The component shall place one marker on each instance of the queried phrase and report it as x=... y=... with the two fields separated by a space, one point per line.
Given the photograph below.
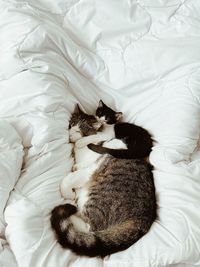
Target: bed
x=141 y=57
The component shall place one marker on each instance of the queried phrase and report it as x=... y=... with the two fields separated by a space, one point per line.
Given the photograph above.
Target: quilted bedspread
x=141 y=57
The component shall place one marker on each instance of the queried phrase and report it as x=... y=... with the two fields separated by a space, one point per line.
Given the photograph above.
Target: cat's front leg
x=107 y=134
x=84 y=141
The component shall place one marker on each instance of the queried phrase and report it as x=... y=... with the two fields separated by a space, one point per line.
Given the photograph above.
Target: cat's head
x=82 y=124
x=107 y=114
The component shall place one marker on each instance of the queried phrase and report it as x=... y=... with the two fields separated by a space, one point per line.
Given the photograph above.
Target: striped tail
x=100 y=243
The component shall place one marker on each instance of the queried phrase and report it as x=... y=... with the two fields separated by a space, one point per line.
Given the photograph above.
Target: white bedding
x=141 y=57
x=10 y=165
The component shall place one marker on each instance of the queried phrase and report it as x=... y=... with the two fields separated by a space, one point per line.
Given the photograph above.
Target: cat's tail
x=120 y=153
x=100 y=243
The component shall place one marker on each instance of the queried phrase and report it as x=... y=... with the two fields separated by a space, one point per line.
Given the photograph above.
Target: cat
x=114 y=201
x=138 y=141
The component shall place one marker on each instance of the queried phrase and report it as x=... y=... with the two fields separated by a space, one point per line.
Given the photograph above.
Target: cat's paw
x=67 y=189
x=80 y=143
x=68 y=193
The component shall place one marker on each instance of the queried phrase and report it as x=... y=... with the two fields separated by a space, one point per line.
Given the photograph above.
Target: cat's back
x=134 y=132
x=126 y=178
x=124 y=190
x=121 y=170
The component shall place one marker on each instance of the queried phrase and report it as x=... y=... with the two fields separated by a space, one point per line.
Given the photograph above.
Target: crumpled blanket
x=141 y=57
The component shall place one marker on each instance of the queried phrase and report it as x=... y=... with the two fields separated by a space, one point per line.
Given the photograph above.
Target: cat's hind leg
x=72 y=181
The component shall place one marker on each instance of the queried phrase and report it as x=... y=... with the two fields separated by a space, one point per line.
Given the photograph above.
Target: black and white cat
x=114 y=199
x=137 y=140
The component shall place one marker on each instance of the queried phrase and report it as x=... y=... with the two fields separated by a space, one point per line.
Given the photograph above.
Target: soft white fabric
x=11 y=155
x=141 y=57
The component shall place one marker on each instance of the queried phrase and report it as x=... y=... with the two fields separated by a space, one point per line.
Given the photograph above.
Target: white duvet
x=141 y=57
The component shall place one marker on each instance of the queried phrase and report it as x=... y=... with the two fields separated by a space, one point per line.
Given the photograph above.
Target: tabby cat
x=114 y=201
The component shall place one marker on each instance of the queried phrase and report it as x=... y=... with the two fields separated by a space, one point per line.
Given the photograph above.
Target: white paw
x=67 y=189
x=68 y=194
x=80 y=143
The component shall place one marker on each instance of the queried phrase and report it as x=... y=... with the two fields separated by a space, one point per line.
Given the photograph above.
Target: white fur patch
x=79 y=224
x=74 y=134
x=82 y=195
x=103 y=118
x=66 y=188
x=115 y=144
x=64 y=225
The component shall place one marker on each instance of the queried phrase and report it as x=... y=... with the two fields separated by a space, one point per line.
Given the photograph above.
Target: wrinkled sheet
x=11 y=157
x=141 y=57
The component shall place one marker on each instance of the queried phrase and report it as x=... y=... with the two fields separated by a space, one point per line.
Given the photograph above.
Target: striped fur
x=120 y=208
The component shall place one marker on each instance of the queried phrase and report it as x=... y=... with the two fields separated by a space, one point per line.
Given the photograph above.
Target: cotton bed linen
x=141 y=57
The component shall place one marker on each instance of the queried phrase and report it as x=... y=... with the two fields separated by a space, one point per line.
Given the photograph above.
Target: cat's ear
x=77 y=109
x=101 y=104
x=118 y=116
